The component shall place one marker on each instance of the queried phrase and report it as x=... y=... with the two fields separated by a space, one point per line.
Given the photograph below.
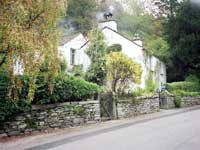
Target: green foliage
x=182 y=32
x=138 y=92
x=135 y=25
x=97 y=48
x=95 y=73
x=82 y=13
x=190 y=87
x=150 y=85
x=182 y=93
x=167 y=7
x=177 y=102
x=63 y=65
x=141 y=24
x=79 y=110
x=158 y=47
x=28 y=33
x=64 y=89
x=121 y=70
x=185 y=86
x=96 y=52
x=114 y=48
x=77 y=71
x=192 y=78
x=4 y=83
x=9 y=108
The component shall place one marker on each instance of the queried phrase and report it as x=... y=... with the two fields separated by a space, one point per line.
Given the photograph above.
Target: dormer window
x=72 y=56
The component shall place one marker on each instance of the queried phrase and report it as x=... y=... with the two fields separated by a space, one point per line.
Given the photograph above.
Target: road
x=177 y=132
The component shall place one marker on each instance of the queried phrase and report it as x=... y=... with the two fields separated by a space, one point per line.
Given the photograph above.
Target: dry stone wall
x=167 y=101
x=190 y=101
x=43 y=117
x=138 y=106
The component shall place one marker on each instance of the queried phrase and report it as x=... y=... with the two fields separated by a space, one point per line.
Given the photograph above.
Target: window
x=72 y=56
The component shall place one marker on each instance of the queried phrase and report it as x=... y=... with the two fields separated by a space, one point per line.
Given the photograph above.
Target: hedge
x=9 y=108
x=64 y=89
x=185 y=86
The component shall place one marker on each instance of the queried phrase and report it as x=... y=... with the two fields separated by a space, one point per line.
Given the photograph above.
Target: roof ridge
x=122 y=35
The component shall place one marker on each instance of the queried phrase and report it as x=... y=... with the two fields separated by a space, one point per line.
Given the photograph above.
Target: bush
x=114 y=48
x=192 y=78
x=177 y=102
x=77 y=71
x=150 y=85
x=64 y=89
x=182 y=93
x=4 y=84
x=138 y=92
x=9 y=108
x=185 y=86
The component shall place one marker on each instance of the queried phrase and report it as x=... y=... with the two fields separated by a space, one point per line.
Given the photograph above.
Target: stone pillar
x=114 y=108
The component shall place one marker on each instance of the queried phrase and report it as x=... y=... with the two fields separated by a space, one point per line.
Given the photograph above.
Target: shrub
x=150 y=85
x=4 y=84
x=149 y=88
x=9 y=108
x=77 y=71
x=192 y=78
x=121 y=70
x=177 y=102
x=138 y=92
x=114 y=48
x=182 y=93
x=185 y=86
x=64 y=89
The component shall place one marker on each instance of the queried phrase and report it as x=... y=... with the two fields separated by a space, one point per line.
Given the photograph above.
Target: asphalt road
x=178 y=132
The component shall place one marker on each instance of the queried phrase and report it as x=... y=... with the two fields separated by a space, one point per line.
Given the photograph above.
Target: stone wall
x=190 y=101
x=167 y=101
x=42 y=117
x=141 y=105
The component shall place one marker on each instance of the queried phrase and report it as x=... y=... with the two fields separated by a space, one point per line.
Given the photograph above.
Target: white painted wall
x=136 y=52
x=132 y=49
x=129 y=48
x=111 y=24
x=81 y=57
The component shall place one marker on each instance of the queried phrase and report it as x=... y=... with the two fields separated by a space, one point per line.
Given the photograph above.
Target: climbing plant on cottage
x=97 y=52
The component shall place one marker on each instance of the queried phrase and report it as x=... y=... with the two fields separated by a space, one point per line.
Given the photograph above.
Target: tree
x=28 y=34
x=182 y=33
x=167 y=7
x=121 y=70
x=135 y=25
x=144 y=25
x=97 y=52
x=157 y=46
x=82 y=13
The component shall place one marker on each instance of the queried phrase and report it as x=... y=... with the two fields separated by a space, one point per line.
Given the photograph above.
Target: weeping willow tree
x=28 y=35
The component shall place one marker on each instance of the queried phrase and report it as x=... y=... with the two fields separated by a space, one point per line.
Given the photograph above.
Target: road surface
x=177 y=132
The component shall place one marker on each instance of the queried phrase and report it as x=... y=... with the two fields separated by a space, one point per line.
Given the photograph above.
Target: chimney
x=108 y=22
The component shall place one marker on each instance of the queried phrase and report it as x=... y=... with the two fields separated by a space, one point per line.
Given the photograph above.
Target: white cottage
x=74 y=51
